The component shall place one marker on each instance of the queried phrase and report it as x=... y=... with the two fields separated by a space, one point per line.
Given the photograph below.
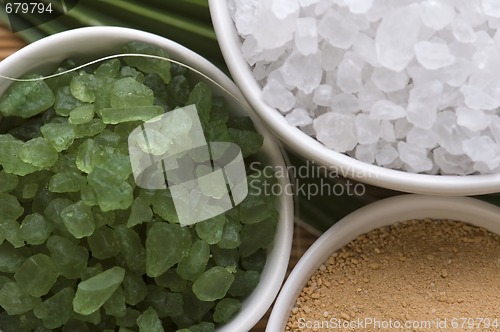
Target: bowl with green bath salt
x=133 y=190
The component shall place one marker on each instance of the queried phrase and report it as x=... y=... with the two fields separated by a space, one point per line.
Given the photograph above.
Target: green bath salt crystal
x=26 y=99
x=88 y=155
x=213 y=284
x=115 y=305
x=166 y=245
x=144 y=64
x=127 y=92
x=148 y=321
x=7 y=181
x=15 y=301
x=10 y=230
x=81 y=114
x=35 y=229
x=37 y=275
x=92 y=293
x=10 y=258
x=116 y=115
x=140 y=212
x=134 y=288
x=78 y=219
x=10 y=148
x=70 y=259
x=57 y=309
x=60 y=135
x=39 y=152
x=85 y=87
x=225 y=309
x=66 y=182
x=65 y=101
x=10 y=207
x=131 y=248
x=193 y=265
x=103 y=243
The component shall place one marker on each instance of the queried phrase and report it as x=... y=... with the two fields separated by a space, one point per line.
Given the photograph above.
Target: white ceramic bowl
x=91 y=43
x=381 y=213
x=310 y=148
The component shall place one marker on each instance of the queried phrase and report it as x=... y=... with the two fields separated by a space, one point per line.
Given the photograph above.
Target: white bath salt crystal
x=495 y=128
x=335 y=29
x=474 y=120
x=401 y=128
x=350 y=73
x=433 y=55
x=304 y=100
x=388 y=80
x=299 y=117
x=336 y=131
x=250 y=51
x=483 y=149
x=303 y=72
x=457 y=74
x=344 y=103
x=463 y=32
x=491 y=7
x=368 y=96
x=414 y=157
x=365 y=153
x=307 y=3
x=396 y=37
x=483 y=168
x=270 y=31
x=322 y=95
x=450 y=135
x=330 y=56
x=368 y=130
x=259 y=71
x=378 y=10
x=364 y=46
x=246 y=15
x=277 y=96
x=273 y=54
x=399 y=97
x=385 y=154
x=452 y=164
x=387 y=110
x=422 y=138
x=436 y=14
x=471 y=11
x=450 y=98
x=387 y=131
x=306 y=35
x=421 y=76
x=283 y=8
x=476 y=98
x=494 y=23
x=322 y=6
x=422 y=104
x=359 y=6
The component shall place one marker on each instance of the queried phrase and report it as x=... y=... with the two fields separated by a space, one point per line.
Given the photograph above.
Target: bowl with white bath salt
x=408 y=263
x=403 y=95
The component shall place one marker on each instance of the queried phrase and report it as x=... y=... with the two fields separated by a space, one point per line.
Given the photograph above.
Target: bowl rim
x=312 y=149
x=71 y=41
x=381 y=213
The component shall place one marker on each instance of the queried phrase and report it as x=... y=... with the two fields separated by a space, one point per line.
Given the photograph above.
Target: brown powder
x=412 y=276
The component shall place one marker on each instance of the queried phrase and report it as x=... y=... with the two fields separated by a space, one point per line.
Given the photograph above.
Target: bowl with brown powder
x=406 y=263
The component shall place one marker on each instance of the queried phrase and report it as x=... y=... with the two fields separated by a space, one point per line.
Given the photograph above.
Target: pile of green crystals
x=82 y=248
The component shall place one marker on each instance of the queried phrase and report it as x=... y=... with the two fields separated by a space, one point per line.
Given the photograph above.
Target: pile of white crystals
x=404 y=84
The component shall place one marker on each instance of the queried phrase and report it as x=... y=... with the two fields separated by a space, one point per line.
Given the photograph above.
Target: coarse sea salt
x=410 y=85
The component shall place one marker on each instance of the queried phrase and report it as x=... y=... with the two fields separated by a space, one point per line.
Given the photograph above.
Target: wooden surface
x=9 y=43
